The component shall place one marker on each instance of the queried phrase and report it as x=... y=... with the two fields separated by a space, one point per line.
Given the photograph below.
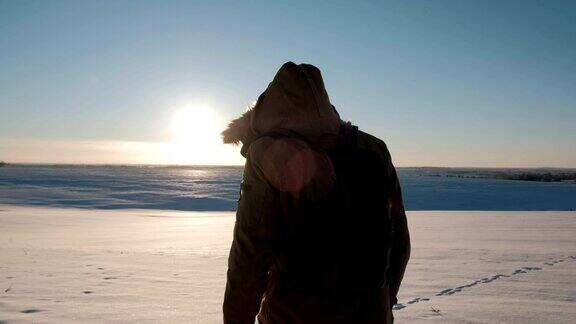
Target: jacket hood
x=296 y=101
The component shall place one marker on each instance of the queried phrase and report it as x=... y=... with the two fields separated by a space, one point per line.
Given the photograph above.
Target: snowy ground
x=72 y=265
x=197 y=188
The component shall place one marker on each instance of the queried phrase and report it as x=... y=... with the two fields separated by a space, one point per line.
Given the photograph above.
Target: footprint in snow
x=30 y=311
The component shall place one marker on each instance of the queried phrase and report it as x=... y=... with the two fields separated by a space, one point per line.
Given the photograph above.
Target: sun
x=194 y=125
x=195 y=136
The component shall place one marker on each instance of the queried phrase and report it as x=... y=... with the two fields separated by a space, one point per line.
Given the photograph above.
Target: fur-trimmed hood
x=296 y=100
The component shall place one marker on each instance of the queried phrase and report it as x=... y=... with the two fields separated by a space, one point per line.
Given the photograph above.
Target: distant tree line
x=517 y=175
x=543 y=177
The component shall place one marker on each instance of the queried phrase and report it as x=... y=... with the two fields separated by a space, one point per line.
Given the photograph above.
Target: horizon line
x=241 y=165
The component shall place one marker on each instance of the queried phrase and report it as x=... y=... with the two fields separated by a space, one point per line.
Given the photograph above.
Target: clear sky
x=444 y=83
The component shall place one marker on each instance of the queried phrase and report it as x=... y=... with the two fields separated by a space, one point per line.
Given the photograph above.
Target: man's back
x=321 y=231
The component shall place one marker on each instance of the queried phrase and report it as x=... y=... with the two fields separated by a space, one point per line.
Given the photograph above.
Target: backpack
x=340 y=244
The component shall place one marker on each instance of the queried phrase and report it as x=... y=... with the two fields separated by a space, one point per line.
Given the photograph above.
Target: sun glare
x=195 y=133
x=192 y=125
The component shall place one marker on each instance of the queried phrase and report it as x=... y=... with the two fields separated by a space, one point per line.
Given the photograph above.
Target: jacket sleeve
x=400 y=252
x=252 y=248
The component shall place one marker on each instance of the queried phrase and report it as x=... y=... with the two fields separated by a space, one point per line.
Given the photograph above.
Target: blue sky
x=444 y=83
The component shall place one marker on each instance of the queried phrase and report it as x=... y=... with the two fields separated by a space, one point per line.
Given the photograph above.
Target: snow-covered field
x=197 y=188
x=73 y=265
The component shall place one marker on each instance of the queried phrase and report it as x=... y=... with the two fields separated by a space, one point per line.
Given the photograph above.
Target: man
x=321 y=234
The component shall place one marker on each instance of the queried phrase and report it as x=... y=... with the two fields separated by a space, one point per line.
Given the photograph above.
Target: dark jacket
x=287 y=137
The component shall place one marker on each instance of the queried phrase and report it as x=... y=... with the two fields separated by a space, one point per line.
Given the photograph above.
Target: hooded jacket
x=285 y=137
